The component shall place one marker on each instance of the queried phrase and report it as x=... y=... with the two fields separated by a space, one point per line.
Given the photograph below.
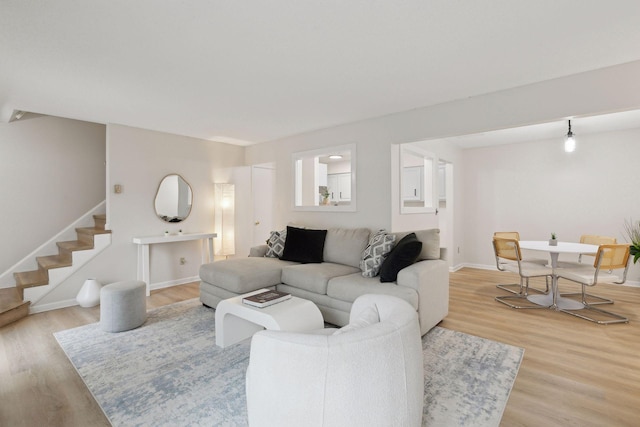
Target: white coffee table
x=236 y=321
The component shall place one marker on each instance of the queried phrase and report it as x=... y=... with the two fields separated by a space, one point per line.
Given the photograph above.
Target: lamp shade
x=224 y=219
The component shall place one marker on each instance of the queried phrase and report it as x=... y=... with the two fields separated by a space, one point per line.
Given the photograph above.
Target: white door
x=263 y=182
x=344 y=187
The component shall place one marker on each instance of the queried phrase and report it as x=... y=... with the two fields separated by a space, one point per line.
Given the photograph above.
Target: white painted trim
x=72 y=302
x=52 y=306
x=170 y=283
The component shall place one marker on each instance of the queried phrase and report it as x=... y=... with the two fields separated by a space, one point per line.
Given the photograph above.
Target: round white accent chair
x=369 y=373
x=123 y=306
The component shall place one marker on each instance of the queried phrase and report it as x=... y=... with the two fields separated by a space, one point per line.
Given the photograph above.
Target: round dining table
x=553 y=300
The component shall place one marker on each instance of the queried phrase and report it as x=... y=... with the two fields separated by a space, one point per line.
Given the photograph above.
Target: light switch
x=117 y=188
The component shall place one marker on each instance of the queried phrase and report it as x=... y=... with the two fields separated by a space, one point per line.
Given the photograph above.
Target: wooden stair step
x=73 y=245
x=54 y=261
x=100 y=220
x=12 y=307
x=27 y=279
x=85 y=234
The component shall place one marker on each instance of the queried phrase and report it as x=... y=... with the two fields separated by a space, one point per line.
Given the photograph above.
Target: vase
x=553 y=242
x=89 y=295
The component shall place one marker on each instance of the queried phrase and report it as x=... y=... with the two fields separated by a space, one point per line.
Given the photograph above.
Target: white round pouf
x=123 y=306
x=89 y=295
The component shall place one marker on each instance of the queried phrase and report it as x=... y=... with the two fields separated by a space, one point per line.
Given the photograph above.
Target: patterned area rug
x=169 y=372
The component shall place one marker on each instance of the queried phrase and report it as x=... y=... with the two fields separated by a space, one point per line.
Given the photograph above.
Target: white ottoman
x=123 y=306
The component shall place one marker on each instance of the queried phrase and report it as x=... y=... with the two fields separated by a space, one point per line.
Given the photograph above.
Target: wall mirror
x=325 y=179
x=418 y=178
x=173 y=199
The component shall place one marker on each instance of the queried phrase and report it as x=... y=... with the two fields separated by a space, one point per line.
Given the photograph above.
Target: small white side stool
x=123 y=306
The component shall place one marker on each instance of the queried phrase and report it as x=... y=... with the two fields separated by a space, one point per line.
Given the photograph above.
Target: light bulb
x=570 y=144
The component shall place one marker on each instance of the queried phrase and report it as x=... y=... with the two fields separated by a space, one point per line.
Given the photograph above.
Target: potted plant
x=633 y=232
x=553 y=241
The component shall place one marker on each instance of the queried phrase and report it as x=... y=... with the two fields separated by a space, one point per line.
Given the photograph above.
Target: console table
x=143 y=250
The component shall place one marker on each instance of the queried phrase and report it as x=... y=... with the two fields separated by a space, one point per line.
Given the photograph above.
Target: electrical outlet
x=183 y=261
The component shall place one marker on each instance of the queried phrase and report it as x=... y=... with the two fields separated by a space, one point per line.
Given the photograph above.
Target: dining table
x=552 y=299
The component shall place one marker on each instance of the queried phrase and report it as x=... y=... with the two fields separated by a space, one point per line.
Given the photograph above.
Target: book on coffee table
x=266 y=298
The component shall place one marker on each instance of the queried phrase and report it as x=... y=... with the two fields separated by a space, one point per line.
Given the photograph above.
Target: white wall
x=52 y=171
x=596 y=92
x=138 y=159
x=536 y=188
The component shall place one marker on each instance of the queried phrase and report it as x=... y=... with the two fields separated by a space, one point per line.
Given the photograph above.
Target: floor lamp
x=224 y=219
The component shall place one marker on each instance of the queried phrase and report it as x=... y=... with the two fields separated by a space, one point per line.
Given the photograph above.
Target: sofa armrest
x=258 y=251
x=430 y=279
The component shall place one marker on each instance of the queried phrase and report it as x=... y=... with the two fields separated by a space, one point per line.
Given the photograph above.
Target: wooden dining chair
x=590 y=239
x=609 y=258
x=514 y=288
x=508 y=250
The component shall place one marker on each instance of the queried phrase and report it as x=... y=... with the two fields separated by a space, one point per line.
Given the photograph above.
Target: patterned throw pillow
x=374 y=254
x=276 y=244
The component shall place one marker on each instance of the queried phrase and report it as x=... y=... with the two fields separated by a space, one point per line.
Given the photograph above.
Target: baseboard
x=629 y=283
x=71 y=302
x=52 y=306
x=170 y=283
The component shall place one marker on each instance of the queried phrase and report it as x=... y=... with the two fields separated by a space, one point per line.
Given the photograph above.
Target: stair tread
x=10 y=299
x=54 y=261
x=27 y=279
x=92 y=230
x=74 y=245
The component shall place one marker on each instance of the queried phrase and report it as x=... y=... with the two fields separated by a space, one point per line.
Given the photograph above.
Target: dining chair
x=590 y=239
x=608 y=259
x=508 y=250
x=514 y=288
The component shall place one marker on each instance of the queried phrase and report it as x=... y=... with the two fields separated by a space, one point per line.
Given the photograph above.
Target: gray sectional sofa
x=335 y=283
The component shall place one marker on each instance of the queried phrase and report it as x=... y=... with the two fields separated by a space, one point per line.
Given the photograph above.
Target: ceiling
x=553 y=130
x=253 y=71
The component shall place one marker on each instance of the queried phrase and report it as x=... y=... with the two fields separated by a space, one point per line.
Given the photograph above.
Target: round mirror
x=173 y=199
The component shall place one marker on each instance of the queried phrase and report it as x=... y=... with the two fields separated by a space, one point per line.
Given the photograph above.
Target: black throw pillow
x=404 y=254
x=304 y=245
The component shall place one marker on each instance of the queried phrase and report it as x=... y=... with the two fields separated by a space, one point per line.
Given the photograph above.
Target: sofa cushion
x=405 y=253
x=304 y=245
x=376 y=251
x=430 y=242
x=345 y=245
x=314 y=277
x=243 y=275
x=348 y=288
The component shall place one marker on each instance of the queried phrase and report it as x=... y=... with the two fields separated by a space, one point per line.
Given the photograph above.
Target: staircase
x=38 y=282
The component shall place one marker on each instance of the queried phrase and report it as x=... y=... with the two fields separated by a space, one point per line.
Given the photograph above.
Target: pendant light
x=570 y=141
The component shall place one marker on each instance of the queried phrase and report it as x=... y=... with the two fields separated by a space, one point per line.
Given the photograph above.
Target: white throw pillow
x=376 y=251
x=367 y=317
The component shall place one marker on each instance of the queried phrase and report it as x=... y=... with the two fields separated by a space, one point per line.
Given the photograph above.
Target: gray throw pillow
x=276 y=244
x=376 y=251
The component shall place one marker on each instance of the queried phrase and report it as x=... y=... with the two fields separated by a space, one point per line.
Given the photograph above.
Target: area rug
x=169 y=372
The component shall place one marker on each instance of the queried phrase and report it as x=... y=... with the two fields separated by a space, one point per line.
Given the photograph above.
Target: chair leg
x=519 y=288
x=524 y=286
x=616 y=318
x=598 y=300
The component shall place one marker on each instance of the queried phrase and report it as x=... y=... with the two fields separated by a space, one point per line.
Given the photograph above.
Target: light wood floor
x=574 y=373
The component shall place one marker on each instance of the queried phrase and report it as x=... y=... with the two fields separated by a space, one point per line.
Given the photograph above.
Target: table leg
x=143 y=266
x=231 y=329
x=554 y=301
